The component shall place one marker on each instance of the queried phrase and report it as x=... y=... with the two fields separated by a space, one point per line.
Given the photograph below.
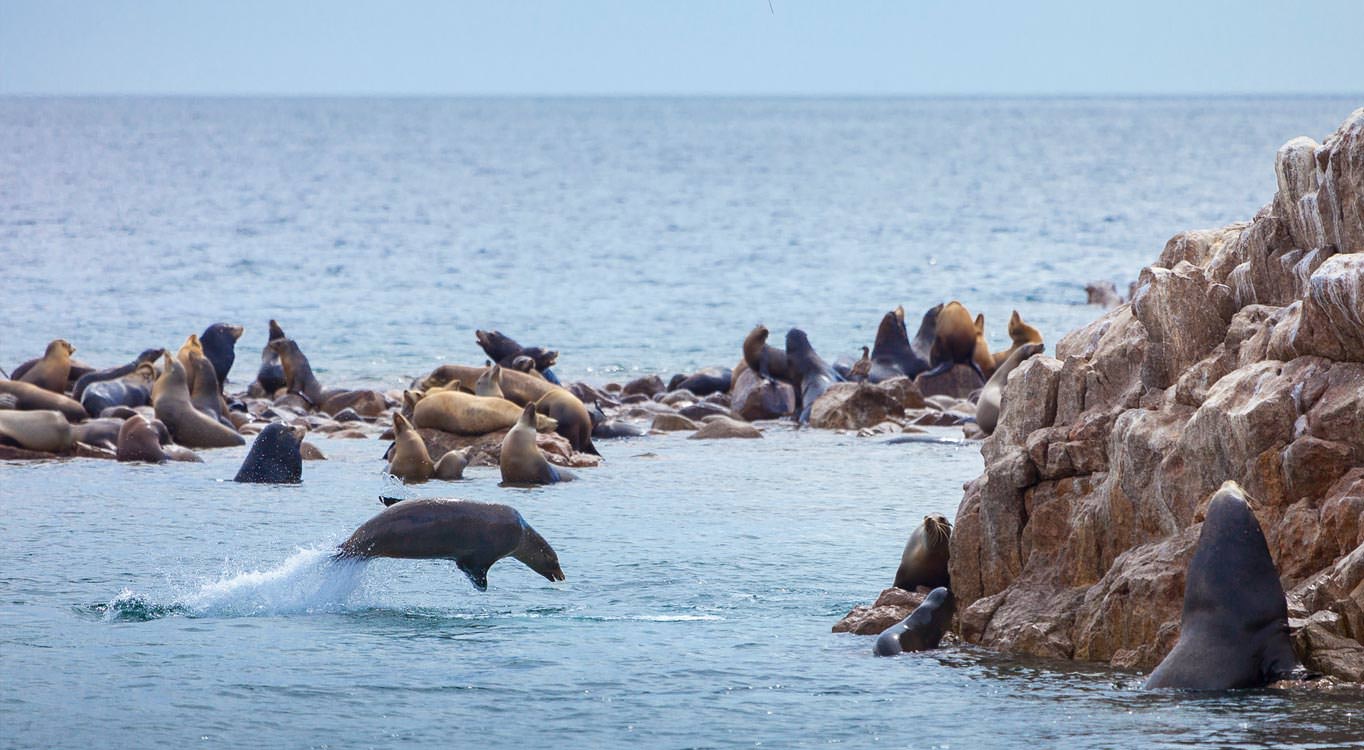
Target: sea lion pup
x=410 y=461
x=132 y=389
x=1233 y=632
x=220 y=347
x=189 y=426
x=298 y=374
x=954 y=341
x=811 y=375
x=503 y=350
x=274 y=457
x=521 y=461
x=574 y=423
x=474 y=535
x=29 y=397
x=462 y=413
x=924 y=627
x=987 y=406
x=1020 y=333
x=138 y=441
x=891 y=354
x=270 y=376
x=985 y=361
x=51 y=372
x=765 y=360
x=928 y=328
x=924 y=561
x=149 y=356
x=42 y=430
x=489 y=384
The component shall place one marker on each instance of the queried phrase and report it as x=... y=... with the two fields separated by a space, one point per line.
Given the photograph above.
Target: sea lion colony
x=513 y=412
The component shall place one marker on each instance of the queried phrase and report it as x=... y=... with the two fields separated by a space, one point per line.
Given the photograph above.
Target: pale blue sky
x=694 y=47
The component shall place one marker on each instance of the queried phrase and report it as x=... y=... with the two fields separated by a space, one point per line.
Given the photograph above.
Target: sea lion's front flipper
x=478 y=574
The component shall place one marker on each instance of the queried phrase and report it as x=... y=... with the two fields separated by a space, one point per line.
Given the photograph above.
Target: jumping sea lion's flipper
x=478 y=575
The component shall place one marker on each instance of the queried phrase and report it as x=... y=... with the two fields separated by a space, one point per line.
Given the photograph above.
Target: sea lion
x=270 y=376
x=954 y=341
x=924 y=627
x=474 y=535
x=924 y=561
x=410 y=461
x=928 y=328
x=38 y=430
x=188 y=425
x=274 y=457
x=984 y=360
x=765 y=360
x=811 y=375
x=891 y=354
x=131 y=390
x=298 y=374
x=574 y=423
x=504 y=350
x=1020 y=333
x=29 y=397
x=987 y=406
x=220 y=347
x=204 y=391
x=706 y=381
x=149 y=356
x=1233 y=632
x=466 y=414
x=138 y=441
x=52 y=371
x=521 y=461
x=489 y=384
x=99 y=433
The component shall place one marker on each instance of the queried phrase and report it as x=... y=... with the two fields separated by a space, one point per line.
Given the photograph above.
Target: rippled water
x=163 y=606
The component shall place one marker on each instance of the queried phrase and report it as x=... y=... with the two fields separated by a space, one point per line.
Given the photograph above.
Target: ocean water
x=165 y=606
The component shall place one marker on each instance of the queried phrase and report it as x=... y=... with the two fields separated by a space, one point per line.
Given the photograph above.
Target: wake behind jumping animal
x=473 y=535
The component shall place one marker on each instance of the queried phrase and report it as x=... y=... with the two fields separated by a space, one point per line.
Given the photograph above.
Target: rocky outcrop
x=855 y=406
x=1240 y=356
x=486 y=449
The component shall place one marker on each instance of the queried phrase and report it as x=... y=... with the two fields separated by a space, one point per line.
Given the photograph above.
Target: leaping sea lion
x=923 y=629
x=189 y=426
x=924 y=560
x=474 y=535
x=274 y=457
x=521 y=461
x=411 y=462
x=1233 y=632
x=53 y=370
x=987 y=406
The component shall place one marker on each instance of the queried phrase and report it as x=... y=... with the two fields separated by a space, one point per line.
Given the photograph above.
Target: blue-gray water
x=163 y=606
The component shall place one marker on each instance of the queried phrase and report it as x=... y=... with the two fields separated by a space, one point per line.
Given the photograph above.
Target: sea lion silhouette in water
x=987 y=406
x=474 y=535
x=924 y=560
x=811 y=376
x=270 y=376
x=503 y=350
x=924 y=627
x=954 y=341
x=521 y=461
x=274 y=457
x=891 y=353
x=1233 y=632
x=220 y=347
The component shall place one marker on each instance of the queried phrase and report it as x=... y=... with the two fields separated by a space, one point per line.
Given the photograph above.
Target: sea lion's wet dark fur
x=810 y=374
x=270 y=376
x=924 y=627
x=503 y=350
x=114 y=373
x=219 y=342
x=924 y=559
x=274 y=457
x=891 y=354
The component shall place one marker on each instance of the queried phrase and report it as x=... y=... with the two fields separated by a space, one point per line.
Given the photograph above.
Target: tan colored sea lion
x=574 y=423
x=411 y=462
x=204 y=392
x=42 y=430
x=53 y=370
x=924 y=561
x=138 y=441
x=521 y=461
x=1020 y=333
x=29 y=397
x=490 y=383
x=985 y=361
x=189 y=426
x=954 y=341
x=191 y=346
x=987 y=406
x=467 y=414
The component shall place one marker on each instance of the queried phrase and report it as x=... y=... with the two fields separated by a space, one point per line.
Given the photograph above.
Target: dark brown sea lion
x=149 y=356
x=1233 y=632
x=39 y=430
x=765 y=360
x=521 y=461
x=53 y=370
x=1020 y=333
x=298 y=373
x=504 y=350
x=810 y=374
x=220 y=346
x=705 y=381
x=130 y=390
x=189 y=426
x=474 y=535
x=270 y=376
x=891 y=354
x=923 y=338
x=924 y=561
x=923 y=629
x=137 y=441
x=29 y=397
x=573 y=421
x=987 y=405
x=274 y=457
x=954 y=341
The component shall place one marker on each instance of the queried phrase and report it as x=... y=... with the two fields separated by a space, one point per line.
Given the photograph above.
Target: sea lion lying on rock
x=149 y=356
x=574 y=423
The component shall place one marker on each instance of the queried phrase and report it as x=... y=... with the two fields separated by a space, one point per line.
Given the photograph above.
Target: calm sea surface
x=162 y=606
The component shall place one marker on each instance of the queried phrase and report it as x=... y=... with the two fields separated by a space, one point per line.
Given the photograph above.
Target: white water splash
x=309 y=581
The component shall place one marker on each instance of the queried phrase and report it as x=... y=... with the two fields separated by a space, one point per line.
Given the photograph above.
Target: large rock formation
x=1241 y=356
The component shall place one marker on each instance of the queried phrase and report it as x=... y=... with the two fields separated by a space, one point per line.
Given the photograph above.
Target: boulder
x=723 y=427
x=487 y=448
x=854 y=406
x=959 y=382
x=753 y=398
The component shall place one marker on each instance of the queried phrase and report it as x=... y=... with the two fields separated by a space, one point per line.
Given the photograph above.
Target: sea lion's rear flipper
x=478 y=574
x=941 y=368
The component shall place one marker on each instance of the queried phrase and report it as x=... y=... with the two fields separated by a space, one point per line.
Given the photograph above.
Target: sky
x=696 y=47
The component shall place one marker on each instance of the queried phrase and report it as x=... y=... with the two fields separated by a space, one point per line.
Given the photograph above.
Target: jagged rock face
x=1241 y=356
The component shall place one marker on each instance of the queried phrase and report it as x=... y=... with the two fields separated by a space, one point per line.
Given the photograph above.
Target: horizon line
x=681 y=95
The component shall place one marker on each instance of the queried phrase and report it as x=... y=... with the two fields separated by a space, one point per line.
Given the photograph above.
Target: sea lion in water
x=928 y=328
x=137 y=441
x=981 y=356
x=274 y=457
x=29 y=397
x=474 y=535
x=765 y=360
x=41 y=430
x=924 y=627
x=270 y=376
x=574 y=423
x=298 y=374
x=1233 y=632
x=53 y=370
x=149 y=356
x=220 y=347
x=987 y=406
x=924 y=561
x=131 y=390
x=954 y=341
x=521 y=461
x=891 y=354
x=489 y=384
x=811 y=375
x=466 y=414
x=1020 y=333
x=188 y=425
x=410 y=461
x=504 y=350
